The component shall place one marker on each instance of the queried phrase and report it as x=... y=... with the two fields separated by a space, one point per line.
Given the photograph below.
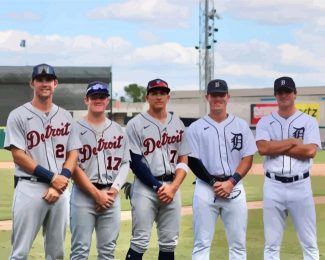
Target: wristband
x=43 y=173
x=66 y=172
x=182 y=166
x=235 y=178
x=213 y=181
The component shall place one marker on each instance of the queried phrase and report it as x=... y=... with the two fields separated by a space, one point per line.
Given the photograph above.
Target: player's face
x=285 y=98
x=218 y=102
x=97 y=103
x=157 y=99
x=44 y=87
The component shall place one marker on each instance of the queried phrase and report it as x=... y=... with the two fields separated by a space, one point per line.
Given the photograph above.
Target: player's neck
x=159 y=114
x=42 y=105
x=218 y=117
x=286 y=112
x=95 y=118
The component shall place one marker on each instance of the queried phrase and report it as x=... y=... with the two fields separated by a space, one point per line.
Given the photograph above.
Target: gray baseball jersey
x=220 y=147
x=46 y=138
x=160 y=144
x=104 y=150
x=294 y=197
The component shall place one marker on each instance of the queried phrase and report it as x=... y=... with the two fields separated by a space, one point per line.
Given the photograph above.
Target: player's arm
x=167 y=192
x=23 y=160
x=200 y=171
x=223 y=189
x=302 y=151
x=275 y=148
x=141 y=169
x=121 y=176
x=31 y=167
x=60 y=181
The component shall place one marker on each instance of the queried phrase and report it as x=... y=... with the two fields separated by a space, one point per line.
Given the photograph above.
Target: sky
x=257 y=40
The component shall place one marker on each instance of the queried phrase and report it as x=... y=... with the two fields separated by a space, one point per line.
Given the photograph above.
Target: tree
x=135 y=92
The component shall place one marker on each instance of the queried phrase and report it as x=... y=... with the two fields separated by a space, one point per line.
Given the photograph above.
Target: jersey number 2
x=59 y=151
x=113 y=160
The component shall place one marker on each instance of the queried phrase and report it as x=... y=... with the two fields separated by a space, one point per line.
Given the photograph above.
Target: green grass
x=290 y=246
x=5 y=155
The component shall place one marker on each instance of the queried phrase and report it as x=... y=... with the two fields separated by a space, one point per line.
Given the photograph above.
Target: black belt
x=287 y=179
x=221 y=179
x=165 y=177
x=32 y=179
x=101 y=186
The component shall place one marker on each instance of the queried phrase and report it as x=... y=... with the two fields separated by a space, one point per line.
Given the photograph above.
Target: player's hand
x=112 y=192
x=60 y=183
x=166 y=193
x=51 y=195
x=223 y=189
x=105 y=199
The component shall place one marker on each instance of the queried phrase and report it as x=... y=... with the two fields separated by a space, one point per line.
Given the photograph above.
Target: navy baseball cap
x=158 y=84
x=43 y=70
x=217 y=86
x=97 y=87
x=284 y=83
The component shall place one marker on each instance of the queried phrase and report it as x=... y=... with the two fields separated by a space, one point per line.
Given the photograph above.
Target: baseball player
x=43 y=143
x=102 y=169
x=159 y=161
x=289 y=139
x=222 y=153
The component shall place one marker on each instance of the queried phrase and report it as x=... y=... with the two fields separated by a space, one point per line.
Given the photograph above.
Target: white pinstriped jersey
x=159 y=143
x=221 y=146
x=299 y=125
x=103 y=151
x=45 y=138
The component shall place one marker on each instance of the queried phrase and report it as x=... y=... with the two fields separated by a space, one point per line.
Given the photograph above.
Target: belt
x=165 y=177
x=101 y=186
x=287 y=179
x=221 y=179
x=32 y=179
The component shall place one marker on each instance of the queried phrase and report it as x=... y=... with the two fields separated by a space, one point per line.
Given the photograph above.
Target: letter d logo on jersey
x=237 y=142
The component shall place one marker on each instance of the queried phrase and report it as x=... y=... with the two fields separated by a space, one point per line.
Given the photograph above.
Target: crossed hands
x=223 y=189
x=58 y=186
x=166 y=193
x=105 y=199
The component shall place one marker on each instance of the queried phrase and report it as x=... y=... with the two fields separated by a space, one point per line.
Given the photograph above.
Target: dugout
x=15 y=90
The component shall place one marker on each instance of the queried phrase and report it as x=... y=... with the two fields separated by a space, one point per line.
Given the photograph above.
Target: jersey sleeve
x=126 y=152
x=261 y=130
x=184 y=148
x=14 y=133
x=193 y=141
x=249 y=141
x=312 y=133
x=134 y=140
x=73 y=141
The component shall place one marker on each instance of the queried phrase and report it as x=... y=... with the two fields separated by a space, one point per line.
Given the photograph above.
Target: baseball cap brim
x=164 y=89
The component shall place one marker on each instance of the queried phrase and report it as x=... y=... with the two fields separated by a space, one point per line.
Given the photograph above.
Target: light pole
x=208 y=15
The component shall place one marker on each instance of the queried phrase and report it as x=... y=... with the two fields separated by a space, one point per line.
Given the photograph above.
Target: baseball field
x=253 y=184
